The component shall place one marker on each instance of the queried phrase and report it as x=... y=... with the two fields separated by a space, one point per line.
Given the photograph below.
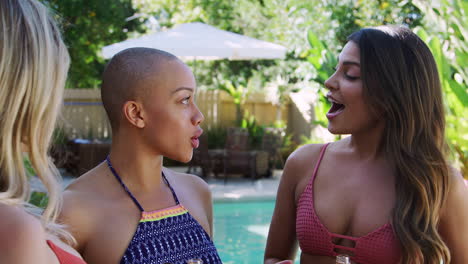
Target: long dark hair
x=401 y=84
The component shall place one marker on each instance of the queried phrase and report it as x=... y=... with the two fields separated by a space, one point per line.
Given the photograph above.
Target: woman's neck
x=368 y=144
x=139 y=169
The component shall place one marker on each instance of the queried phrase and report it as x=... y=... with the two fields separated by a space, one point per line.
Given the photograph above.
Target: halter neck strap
x=114 y=172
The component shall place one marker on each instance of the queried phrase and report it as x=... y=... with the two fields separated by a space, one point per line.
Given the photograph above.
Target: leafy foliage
x=28 y=166
x=446 y=34
x=279 y=21
x=39 y=199
x=88 y=26
x=321 y=57
x=216 y=137
x=255 y=131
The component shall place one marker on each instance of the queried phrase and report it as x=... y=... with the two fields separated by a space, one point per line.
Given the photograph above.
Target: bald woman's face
x=172 y=119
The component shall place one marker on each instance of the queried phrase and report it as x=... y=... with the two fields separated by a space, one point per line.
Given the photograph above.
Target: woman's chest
x=351 y=200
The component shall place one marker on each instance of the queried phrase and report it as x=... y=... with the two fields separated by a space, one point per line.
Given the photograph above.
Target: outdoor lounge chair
x=204 y=159
x=271 y=143
x=238 y=159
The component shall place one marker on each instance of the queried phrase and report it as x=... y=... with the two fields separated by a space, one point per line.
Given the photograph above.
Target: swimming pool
x=241 y=229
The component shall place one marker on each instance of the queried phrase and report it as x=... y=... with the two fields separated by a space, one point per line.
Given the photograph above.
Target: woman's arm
x=453 y=223
x=208 y=202
x=281 y=242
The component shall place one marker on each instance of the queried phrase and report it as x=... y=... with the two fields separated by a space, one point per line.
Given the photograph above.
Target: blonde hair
x=33 y=67
x=401 y=82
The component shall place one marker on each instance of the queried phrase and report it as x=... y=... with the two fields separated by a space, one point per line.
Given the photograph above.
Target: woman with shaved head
x=130 y=209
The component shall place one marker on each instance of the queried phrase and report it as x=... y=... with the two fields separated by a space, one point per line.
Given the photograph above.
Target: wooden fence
x=83 y=115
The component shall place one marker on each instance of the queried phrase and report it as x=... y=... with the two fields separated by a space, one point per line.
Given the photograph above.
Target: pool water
x=241 y=230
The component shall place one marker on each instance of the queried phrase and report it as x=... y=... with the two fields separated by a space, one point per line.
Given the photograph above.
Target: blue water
x=241 y=229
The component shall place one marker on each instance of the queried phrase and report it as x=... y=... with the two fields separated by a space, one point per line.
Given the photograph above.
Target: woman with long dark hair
x=386 y=193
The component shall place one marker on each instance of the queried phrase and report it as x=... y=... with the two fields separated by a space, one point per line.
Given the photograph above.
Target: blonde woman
x=386 y=194
x=33 y=66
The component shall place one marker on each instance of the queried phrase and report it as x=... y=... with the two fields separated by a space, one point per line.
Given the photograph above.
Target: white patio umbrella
x=198 y=41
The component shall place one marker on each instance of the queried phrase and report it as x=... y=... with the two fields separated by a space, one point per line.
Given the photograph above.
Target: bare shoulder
x=87 y=188
x=80 y=207
x=74 y=202
x=453 y=226
x=458 y=188
x=88 y=179
x=458 y=193
x=81 y=193
x=21 y=232
x=17 y=221
x=306 y=153
x=456 y=179
x=189 y=186
x=185 y=180
x=194 y=193
x=302 y=160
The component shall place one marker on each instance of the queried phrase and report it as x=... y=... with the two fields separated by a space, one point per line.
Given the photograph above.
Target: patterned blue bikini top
x=169 y=235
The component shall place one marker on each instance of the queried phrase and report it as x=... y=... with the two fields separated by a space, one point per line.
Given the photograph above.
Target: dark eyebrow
x=182 y=88
x=351 y=63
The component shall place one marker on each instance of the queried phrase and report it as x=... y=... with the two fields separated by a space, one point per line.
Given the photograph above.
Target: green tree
x=279 y=21
x=88 y=26
x=172 y=12
x=445 y=32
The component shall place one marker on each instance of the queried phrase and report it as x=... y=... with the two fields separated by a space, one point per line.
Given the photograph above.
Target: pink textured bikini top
x=378 y=247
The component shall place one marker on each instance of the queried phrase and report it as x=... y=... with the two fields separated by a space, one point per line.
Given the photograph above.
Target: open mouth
x=335 y=110
x=195 y=142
